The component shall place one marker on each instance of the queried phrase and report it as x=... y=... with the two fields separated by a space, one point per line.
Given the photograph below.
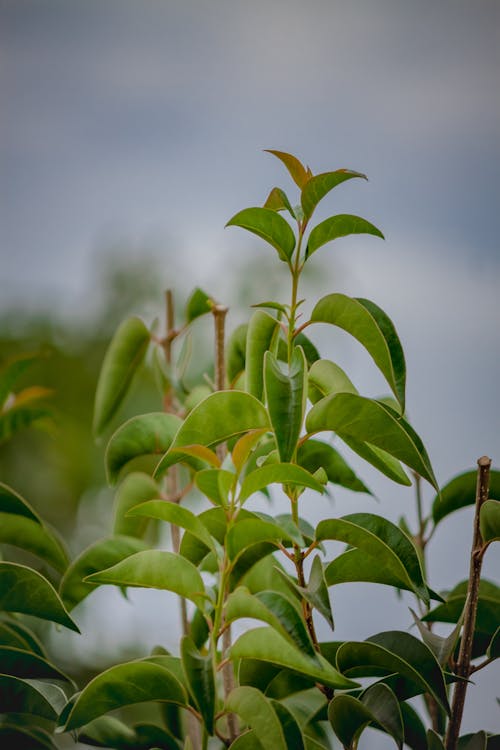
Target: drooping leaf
x=341 y=225
x=199 y=303
x=270 y=226
x=99 y=556
x=23 y=589
x=22 y=663
x=258 y=713
x=313 y=455
x=299 y=174
x=380 y=459
x=265 y=644
x=262 y=333
x=286 y=395
x=200 y=678
x=489 y=520
x=378 y=706
x=395 y=652
x=366 y=420
x=176 y=514
x=219 y=417
x=442 y=647
x=277 y=474
x=373 y=329
x=123 y=685
x=235 y=352
x=144 y=435
x=155 y=569
x=216 y=484
x=461 y=491
x=28 y=697
x=34 y=537
x=383 y=554
x=136 y=488
x=123 y=358
x=320 y=185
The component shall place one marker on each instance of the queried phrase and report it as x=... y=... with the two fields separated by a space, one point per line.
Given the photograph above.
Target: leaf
x=258 y=713
x=489 y=520
x=123 y=358
x=262 y=332
x=270 y=226
x=176 y=514
x=216 y=484
x=22 y=663
x=488 y=607
x=158 y=570
x=136 y=488
x=373 y=329
x=313 y=455
x=19 y=637
x=291 y=729
x=395 y=652
x=316 y=591
x=199 y=674
x=25 y=696
x=318 y=186
x=267 y=645
x=145 y=435
x=277 y=200
x=23 y=589
x=199 y=303
x=441 y=647
x=18 y=417
x=325 y=378
x=277 y=474
x=380 y=459
x=493 y=650
x=299 y=174
x=459 y=492
x=251 y=531
x=107 y=731
x=477 y=741
x=221 y=416
x=34 y=537
x=24 y=738
x=390 y=556
x=123 y=685
x=235 y=352
x=12 y=502
x=274 y=609
x=339 y=226
x=414 y=729
x=243 y=448
x=434 y=741
x=11 y=372
x=366 y=420
x=286 y=400
x=378 y=707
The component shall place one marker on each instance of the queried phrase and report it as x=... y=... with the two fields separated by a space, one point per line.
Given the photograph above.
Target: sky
x=144 y=123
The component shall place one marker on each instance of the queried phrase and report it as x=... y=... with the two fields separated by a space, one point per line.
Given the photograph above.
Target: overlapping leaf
x=136 y=488
x=30 y=697
x=286 y=395
x=176 y=514
x=378 y=706
x=200 y=679
x=313 y=455
x=262 y=332
x=258 y=713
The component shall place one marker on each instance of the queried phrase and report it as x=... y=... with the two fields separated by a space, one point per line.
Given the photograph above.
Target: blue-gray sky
x=143 y=122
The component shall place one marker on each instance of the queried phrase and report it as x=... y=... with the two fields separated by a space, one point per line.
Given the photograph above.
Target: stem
x=463 y=668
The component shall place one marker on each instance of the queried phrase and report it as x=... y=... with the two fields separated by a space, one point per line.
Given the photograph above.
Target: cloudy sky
x=143 y=123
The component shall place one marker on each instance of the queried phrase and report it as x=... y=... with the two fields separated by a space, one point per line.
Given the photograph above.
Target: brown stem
x=463 y=668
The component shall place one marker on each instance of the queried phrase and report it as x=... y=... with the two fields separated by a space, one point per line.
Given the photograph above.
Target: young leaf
x=341 y=225
x=370 y=421
x=23 y=589
x=34 y=537
x=299 y=174
x=277 y=473
x=100 y=555
x=262 y=332
x=286 y=400
x=136 y=488
x=243 y=448
x=313 y=455
x=318 y=186
x=257 y=711
x=124 y=356
x=461 y=491
x=270 y=226
x=373 y=329
x=199 y=303
x=489 y=520
x=145 y=435
x=123 y=685
x=198 y=671
x=383 y=554
x=378 y=707
x=219 y=417
x=155 y=569
x=277 y=200
x=176 y=514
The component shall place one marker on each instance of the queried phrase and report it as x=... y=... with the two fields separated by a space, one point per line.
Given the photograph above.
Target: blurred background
x=131 y=131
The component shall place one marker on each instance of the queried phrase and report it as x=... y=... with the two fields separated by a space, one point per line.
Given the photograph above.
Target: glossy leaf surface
x=250 y=532
x=277 y=474
x=277 y=200
x=326 y=377
x=270 y=226
x=341 y=225
x=34 y=537
x=28 y=697
x=320 y=185
x=489 y=520
x=176 y=514
x=461 y=491
x=380 y=459
x=22 y=663
x=12 y=502
x=378 y=706
x=299 y=174
x=286 y=395
x=262 y=331
x=257 y=711
x=124 y=356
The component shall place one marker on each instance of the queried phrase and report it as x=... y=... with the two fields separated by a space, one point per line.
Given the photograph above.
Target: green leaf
x=395 y=652
x=20 y=416
x=378 y=707
x=291 y=729
x=441 y=647
x=277 y=200
x=380 y=459
x=23 y=589
x=25 y=738
x=434 y=741
x=221 y=416
x=366 y=420
x=100 y=555
x=493 y=650
x=286 y=395
x=12 y=502
x=325 y=378
x=199 y=303
x=262 y=333
x=107 y=731
x=316 y=591
x=477 y=741
x=22 y=663
x=27 y=697
x=34 y=537
x=384 y=554
x=235 y=352
x=16 y=635
x=488 y=608
x=318 y=186
x=145 y=435
x=299 y=174
x=339 y=226
x=267 y=645
x=258 y=713
x=123 y=358
x=157 y=570
x=270 y=226
x=251 y=531
x=489 y=520
x=136 y=488
x=199 y=675
x=313 y=455
x=274 y=609
x=123 y=685
x=11 y=372
x=216 y=484
x=414 y=729
x=277 y=474
x=373 y=329
x=461 y=491
x=176 y=514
